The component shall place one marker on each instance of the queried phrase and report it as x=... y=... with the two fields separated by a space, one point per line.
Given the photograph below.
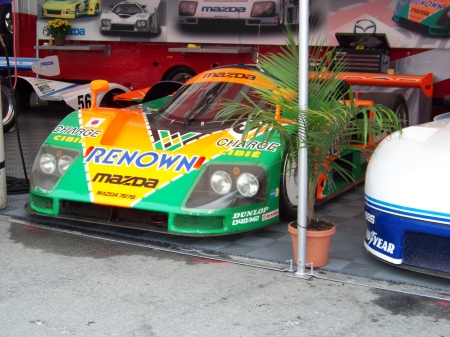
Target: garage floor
x=270 y=246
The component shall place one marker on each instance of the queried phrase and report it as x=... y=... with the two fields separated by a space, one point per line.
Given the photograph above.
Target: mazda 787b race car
x=170 y=164
x=427 y=17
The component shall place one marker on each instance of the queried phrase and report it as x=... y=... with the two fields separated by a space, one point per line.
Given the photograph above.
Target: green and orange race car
x=169 y=165
x=427 y=17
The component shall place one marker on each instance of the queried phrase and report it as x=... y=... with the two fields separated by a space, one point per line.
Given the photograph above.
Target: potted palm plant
x=332 y=124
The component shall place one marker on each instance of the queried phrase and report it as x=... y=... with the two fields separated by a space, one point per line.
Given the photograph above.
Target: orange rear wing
x=425 y=82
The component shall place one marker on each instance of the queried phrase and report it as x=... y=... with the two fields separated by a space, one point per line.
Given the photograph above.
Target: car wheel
x=289 y=191
x=10 y=100
x=6 y=24
x=108 y=100
x=179 y=74
x=395 y=102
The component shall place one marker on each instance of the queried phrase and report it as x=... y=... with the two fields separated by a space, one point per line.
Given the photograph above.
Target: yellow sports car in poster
x=70 y=9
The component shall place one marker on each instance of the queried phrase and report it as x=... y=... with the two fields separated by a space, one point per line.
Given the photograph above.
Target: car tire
x=179 y=74
x=10 y=105
x=395 y=102
x=97 y=10
x=288 y=192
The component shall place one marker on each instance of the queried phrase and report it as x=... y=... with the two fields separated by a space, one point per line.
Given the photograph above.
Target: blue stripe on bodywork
x=60 y=90
x=408 y=212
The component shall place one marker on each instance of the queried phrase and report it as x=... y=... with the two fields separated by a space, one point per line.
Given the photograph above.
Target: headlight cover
x=64 y=163
x=106 y=23
x=49 y=166
x=221 y=182
x=226 y=186
x=47 y=163
x=141 y=24
x=400 y=5
x=247 y=184
x=187 y=8
x=263 y=9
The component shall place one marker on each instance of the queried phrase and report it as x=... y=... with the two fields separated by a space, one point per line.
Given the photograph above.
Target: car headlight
x=106 y=23
x=64 y=163
x=50 y=165
x=187 y=8
x=47 y=162
x=399 y=6
x=263 y=9
x=221 y=182
x=247 y=184
x=141 y=24
x=226 y=185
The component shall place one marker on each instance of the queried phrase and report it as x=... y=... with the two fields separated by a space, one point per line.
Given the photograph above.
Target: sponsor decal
x=172 y=141
x=77 y=31
x=370 y=218
x=250 y=213
x=420 y=11
x=45 y=88
x=94 y=122
x=275 y=193
x=142 y=159
x=372 y=239
x=73 y=31
x=230 y=75
x=248 y=216
x=116 y=195
x=270 y=215
x=242 y=153
x=429 y=4
x=223 y=9
x=248 y=144
x=245 y=220
x=75 y=131
x=68 y=139
x=119 y=179
x=108 y=194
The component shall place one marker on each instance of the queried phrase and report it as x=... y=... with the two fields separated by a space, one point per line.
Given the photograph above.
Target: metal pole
x=3 y=193
x=303 y=45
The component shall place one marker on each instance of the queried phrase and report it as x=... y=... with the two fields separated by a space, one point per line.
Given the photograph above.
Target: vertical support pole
x=3 y=193
x=302 y=212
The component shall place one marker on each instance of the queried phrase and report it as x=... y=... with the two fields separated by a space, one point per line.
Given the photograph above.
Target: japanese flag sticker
x=94 y=122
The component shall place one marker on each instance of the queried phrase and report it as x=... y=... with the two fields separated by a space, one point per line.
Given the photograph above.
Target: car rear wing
x=425 y=82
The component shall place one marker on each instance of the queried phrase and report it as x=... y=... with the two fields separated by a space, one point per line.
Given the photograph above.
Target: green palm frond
x=331 y=125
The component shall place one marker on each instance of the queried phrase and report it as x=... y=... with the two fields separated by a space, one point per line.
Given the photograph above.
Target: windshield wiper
x=203 y=103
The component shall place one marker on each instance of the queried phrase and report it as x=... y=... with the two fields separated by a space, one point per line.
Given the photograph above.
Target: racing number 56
x=84 y=101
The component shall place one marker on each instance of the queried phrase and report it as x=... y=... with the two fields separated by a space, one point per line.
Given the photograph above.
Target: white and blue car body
x=407 y=208
x=252 y=12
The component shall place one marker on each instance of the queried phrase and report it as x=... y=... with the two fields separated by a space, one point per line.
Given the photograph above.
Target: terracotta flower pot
x=60 y=40
x=317 y=245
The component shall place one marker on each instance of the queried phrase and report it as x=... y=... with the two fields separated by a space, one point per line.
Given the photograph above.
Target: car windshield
x=201 y=102
x=126 y=9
